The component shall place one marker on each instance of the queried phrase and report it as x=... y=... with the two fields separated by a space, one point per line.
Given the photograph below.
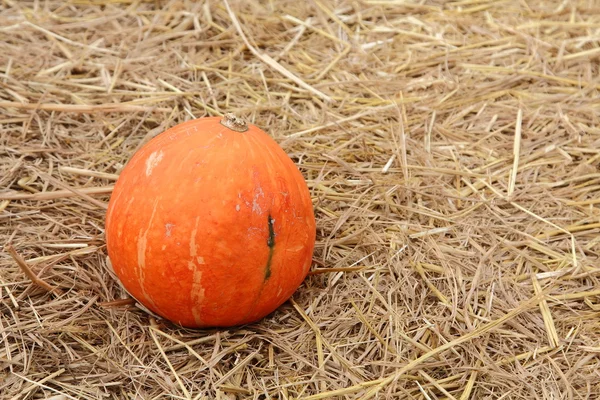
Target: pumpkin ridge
x=142 y=243
x=274 y=158
x=271 y=244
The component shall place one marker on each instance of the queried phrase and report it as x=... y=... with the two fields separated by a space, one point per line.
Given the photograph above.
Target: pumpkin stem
x=234 y=123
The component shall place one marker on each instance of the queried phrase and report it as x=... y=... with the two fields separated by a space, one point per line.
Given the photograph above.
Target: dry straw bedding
x=451 y=149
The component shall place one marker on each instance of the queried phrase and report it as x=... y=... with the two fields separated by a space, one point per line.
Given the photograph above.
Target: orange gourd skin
x=210 y=227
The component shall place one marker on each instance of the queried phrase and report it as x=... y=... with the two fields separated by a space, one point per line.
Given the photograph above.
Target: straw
x=451 y=150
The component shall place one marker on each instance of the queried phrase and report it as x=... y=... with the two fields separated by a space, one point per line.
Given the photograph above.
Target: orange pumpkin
x=211 y=224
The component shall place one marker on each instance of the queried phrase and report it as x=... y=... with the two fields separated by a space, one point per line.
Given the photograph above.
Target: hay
x=452 y=153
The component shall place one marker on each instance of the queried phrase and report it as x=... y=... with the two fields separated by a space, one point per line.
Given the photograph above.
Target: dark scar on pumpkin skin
x=271 y=244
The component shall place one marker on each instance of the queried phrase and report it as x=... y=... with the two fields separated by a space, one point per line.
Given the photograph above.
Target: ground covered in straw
x=452 y=152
